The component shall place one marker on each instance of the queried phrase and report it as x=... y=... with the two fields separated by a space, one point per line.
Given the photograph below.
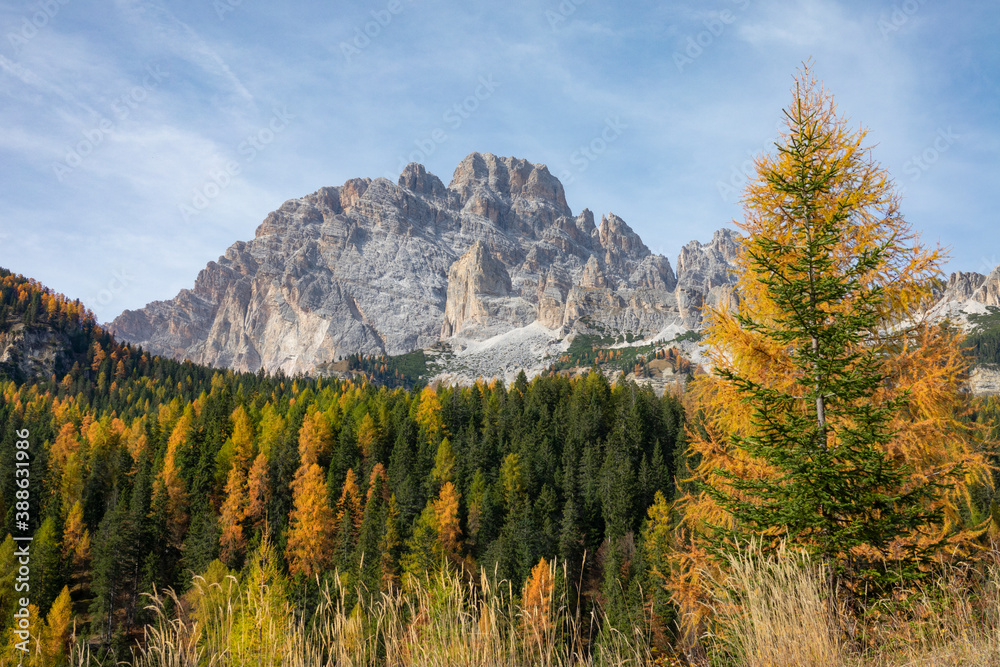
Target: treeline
x=984 y=339
x=144 y=472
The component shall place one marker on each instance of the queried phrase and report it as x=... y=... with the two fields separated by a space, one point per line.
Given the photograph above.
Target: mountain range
x=496 y=260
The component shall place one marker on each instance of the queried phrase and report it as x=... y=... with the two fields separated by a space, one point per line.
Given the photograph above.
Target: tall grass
x=772 y=610
x=437 y=621
x=777 y=610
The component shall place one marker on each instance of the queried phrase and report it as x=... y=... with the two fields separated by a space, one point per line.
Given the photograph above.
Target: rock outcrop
x=968 y=293
x=35 y=351
x=378 y=267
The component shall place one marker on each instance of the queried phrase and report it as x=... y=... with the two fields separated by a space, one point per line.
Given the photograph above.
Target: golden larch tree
x=886 y=279
x=311 y=524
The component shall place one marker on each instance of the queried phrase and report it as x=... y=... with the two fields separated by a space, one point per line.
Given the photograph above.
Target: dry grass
x=437 y=621
x=772 y=611
x=775 y=611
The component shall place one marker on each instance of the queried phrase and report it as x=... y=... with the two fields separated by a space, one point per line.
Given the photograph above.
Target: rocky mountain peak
x=418 y=180
x=962 y=285
x=622 y=246
x=507 y=190
x=478 y=283
x=375 y=266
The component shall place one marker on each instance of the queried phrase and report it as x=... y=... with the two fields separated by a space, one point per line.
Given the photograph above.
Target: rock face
x=968 y=293
x=480 y=301
x=379 y=267
x=705 y=275
x=32 y=352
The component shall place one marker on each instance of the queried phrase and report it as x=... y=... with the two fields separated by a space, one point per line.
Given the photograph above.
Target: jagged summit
x=374 y=266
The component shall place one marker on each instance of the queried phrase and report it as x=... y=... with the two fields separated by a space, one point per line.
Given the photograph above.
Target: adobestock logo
x=695 y=45
x=454 y=117
x=364 y=35
x=582 y=157
x=920 y=163
x=122 y=108
x=47 y=10
x=218 y=180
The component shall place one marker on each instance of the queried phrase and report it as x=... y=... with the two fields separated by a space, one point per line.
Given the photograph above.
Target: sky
x=138 y=140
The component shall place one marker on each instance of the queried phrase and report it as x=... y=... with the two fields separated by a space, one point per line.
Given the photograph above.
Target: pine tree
x=813 y=428
x=46 y=552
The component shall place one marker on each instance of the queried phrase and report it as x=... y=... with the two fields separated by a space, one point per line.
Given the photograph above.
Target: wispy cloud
x=558 y=85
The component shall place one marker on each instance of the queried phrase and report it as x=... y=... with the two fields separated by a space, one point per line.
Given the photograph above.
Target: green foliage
x=984 y=338
x=536 y=468
x=402 y=370
x=834 y=489
x=692 y=335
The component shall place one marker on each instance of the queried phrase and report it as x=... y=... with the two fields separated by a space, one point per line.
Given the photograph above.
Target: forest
x=822 y=491
x=147 y=472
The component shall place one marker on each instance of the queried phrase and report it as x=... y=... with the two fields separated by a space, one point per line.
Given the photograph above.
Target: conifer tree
x=311 y=524
x=258 y=491
x=830 y=420
x=76 y=538
x=56 y=633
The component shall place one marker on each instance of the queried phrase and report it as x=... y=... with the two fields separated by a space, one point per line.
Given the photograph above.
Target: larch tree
x=311 y=525
x=58 y=627
x=177 y=501
x=76 y=539
x=832 y=417
x=235 y=507
x=258 y=491
x=232 y=515
x=446 y=517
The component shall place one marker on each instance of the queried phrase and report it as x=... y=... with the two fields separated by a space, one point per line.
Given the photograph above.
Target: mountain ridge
x=375 y=267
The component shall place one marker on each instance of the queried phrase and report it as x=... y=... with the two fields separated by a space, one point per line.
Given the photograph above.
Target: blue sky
x=140 y=139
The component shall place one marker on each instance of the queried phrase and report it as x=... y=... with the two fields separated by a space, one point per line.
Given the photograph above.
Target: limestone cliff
x=375 y=267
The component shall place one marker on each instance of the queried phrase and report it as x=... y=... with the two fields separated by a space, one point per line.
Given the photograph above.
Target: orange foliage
x=76 y=538
x=315 y=438
x=258 y=492
x=350 y=502
x=537 y=604
x=921 y=358
x=367 y=435
x=232 y=515
x=446 y=518
x=311 y=527
x=177 y=497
